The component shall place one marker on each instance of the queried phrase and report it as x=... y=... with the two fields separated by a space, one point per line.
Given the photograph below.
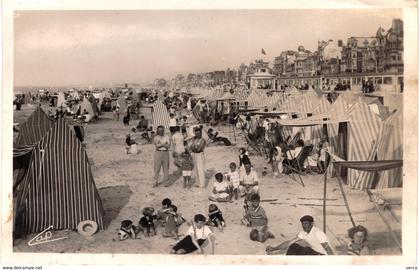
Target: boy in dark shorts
x=197 y=235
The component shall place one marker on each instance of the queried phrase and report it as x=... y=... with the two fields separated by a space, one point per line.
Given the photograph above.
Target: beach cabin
x=261 y=79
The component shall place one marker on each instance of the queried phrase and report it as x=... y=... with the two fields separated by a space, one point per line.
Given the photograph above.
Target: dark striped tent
x=58 y=188
x=34 y=128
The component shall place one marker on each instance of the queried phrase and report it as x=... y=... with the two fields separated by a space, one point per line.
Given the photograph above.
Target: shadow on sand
x=114 y=198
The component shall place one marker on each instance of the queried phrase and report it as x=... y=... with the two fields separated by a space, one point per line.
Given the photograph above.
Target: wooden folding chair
x=296 y=166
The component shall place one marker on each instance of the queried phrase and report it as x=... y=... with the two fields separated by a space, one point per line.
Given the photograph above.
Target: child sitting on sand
x=163 y=212
x=220 y=189
x=127 y=230
x=216 y=217
x=131 y=145
x=173 y=221
x=197 y=235
x=258 y=220
x=233 y=178
x=146 y=223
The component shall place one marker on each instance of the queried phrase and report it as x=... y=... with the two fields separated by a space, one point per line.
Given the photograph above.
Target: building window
x=378 y=80
x=387 y=80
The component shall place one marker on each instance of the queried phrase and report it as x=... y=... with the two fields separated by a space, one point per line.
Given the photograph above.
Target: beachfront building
x=261 y=79
x=377 y=58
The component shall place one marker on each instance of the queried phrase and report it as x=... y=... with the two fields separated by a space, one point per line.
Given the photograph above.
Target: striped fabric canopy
x=94 y=104
x=160 y=115
x=61 y=100
x=290 y=104
x=34 y=128
x=307 y=103
x=336 y=113
x=240 y=94
x=323 y=106
x=58 y=188
x=255 y=100
x=364 y=127
x=349 y=96
x=122 y=103
x=86 y=105
x=390 y=146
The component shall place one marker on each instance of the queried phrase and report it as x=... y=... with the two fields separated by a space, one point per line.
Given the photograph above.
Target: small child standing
x=187 y=165
x=220 y=189
x=243 y=156
x=233 y=178
x=258 y=220
x=278 y=159
x=323 y=154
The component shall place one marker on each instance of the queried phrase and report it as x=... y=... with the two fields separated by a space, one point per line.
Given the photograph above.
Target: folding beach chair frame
x=255 y=146
x=299 y=171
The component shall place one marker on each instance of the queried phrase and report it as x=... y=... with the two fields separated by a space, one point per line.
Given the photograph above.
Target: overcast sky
x=59 y=48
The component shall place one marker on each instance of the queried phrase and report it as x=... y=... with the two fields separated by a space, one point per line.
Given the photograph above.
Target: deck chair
x=252 y=146
x=296 y=166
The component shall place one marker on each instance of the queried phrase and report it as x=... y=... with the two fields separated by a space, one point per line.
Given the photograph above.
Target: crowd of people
x=185 y=142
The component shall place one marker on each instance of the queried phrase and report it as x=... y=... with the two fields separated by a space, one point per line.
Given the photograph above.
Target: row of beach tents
x=52 y=179
x=358 y=129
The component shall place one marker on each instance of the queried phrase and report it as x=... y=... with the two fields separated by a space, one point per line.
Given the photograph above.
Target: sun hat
x=87 y=227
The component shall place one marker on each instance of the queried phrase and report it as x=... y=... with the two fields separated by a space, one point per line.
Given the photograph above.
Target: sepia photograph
x=275 y=133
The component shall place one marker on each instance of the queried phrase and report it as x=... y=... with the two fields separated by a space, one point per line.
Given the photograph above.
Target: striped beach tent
x=86 y=105
x=160 y=115
x=254 y=99
x=58 y=189
x=122 y=103
x=336 y=113
x=293 y=92
x=323 y=106
x=350 y=97
x=34 y=128
x=363 y=132
x=290 y=104
x=94 y=104
x=240 y=94
x=307 y=103
x=390 y=147
x=61 y=100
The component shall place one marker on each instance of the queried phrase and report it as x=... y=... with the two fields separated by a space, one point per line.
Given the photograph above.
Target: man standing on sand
x=197 y=148
x=310 y=241
x=162 y=143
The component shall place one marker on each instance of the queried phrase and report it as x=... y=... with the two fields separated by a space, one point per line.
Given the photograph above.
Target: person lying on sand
x=310 y=241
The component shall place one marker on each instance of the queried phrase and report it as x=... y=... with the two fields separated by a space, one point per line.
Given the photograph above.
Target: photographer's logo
x=44 y=237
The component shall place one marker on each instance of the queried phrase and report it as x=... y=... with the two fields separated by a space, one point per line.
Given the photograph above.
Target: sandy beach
x=125 y=184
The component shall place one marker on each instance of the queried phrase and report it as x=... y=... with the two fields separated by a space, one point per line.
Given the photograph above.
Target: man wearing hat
x=310 y=241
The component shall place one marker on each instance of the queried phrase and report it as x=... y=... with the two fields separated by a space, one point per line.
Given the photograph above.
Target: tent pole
x=345 y=202
x=324 y=211
x=384 y=220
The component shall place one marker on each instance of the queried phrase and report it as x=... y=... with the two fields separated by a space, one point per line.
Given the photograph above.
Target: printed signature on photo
x=44 y=237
